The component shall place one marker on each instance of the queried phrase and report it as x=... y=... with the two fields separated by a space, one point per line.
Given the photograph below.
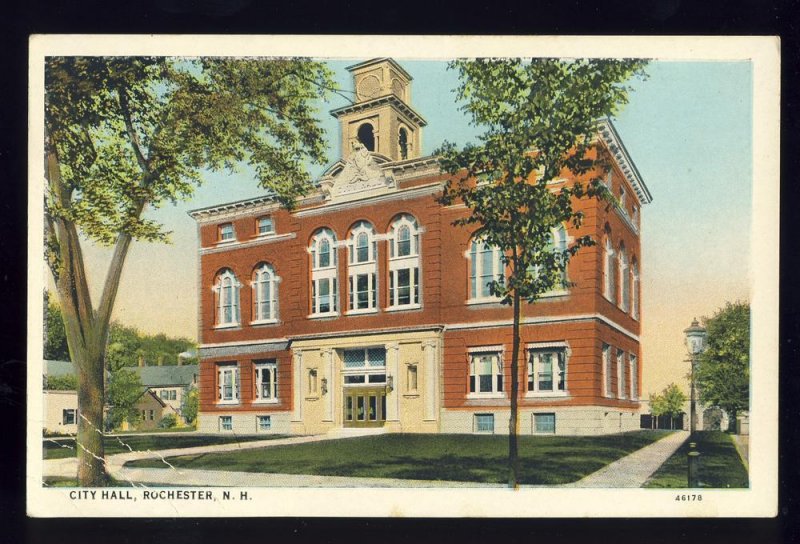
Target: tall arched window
x=624 y=280
x=363 y=267
x=324 y=277
x=634 y=289
x=226 y=289
x=609 y=269
x=366 y=136
x=486 y=266
x=402 y=139
x=404 y=287
x=559 y=246
x=265 y=294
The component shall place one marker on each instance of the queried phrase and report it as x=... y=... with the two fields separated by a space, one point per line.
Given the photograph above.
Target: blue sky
x=687 y=128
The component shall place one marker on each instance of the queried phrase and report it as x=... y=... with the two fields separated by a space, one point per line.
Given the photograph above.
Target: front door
x=364 y=407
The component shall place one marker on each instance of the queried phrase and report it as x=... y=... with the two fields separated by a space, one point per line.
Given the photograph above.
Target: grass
x=548 y=460
x=720 y=465
x=63 y=448
x=61 y=481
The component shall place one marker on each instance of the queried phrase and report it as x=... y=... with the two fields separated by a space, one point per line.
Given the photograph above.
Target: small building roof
x=58 y=368
x=150 y=376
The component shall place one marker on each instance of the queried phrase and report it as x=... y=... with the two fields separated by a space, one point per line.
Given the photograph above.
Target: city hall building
x=365 y=307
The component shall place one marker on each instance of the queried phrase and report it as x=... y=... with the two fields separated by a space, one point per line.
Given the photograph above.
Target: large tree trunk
x=91 y=461
x=513 y=424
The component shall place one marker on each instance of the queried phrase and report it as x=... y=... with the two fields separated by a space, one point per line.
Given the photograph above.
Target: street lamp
x=695 y=343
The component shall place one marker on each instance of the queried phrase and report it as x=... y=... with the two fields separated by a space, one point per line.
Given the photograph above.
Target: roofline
x=364 y=64
x=615 y=144
x=196 y=213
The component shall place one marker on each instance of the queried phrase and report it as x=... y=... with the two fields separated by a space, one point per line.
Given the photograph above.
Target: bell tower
x=381 y=118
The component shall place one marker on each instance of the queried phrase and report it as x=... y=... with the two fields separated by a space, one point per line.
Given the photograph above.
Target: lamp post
x=695 y=343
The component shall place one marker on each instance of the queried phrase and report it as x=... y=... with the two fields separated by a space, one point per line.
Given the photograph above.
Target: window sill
x=266 y=401
x=226 y=326
x=486 y=395
x=403 y=308
x=264 y=235
x=228 y=402
x=264 y=322
x=323 y=316
x=479 y=301
x=226 y=242
x=546 y=395
x=553 y=294
x=411 y=395
x=362 y=311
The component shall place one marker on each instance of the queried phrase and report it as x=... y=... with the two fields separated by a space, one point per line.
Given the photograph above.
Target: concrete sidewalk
x=634 y=470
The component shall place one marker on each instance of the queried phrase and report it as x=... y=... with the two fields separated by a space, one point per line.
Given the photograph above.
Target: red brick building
x=365 y=307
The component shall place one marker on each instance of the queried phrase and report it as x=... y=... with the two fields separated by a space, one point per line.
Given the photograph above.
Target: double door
x=364 y=406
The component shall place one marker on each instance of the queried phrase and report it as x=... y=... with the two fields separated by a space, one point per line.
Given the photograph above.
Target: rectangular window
x=544 y=423
x=312 y=381
x=225 y=423
x=264 y=423
x=152 y=415
x=68 y=416
x=547 y=370
x=144 y=415
x=485 y=373
x=634 y=364
x=607 y=371
x=404 y=286
x=226 y=232
x=266 y=379
x=484 y=423
x=411 y=378
x=265 y=226
x=621 y=374
x=228 y=383
x=362 y=291
x=168 y=394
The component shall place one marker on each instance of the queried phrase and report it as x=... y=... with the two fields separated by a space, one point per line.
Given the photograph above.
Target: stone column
x=327 y=363
x=430 y=397
x=297 y=380
x=393 y=398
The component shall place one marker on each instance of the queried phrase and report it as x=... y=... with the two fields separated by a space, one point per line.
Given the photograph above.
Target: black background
x=19 y=19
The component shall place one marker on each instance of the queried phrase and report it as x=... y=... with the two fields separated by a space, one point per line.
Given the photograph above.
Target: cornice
x=612 y=139
x=380 y=101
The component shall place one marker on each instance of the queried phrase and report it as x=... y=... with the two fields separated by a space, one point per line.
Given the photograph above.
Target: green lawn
x=55 y=449
x=474 y=458
x=720 y=465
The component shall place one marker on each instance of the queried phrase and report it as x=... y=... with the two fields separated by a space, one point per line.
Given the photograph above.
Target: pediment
x=358 y=176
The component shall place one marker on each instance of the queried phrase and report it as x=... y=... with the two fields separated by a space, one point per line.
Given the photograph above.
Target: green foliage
x=68 y=382
x=191 y=404
x=123 y=391
x=133 y=130
x=540 y=118
x=722 y=373
x=168 y=421
x=55 y=337
x=669 y=402
x=127 y=344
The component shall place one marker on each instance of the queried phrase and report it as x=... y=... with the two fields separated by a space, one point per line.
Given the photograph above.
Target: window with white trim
x=404 y=287
x=266 y=380
x=265 y=294
x=324 y=273
x=228 y=383
x=609 y=272
x=168 y=394
x=544 y=423
x=624 y=280
x=547 y=371
x=621 y=387
x=364 y=366
x=485 y=374
x=635 y=290
x=264 y=423
x=486 y=266
x=69 y=416
x=265 y=226
x=558 y=247
x=225 y=232
x=484 y=423
x=225 y=423
x=623 y=199
x=226 y=290
x=363 y=268
x=633 y=363
x=607 y=390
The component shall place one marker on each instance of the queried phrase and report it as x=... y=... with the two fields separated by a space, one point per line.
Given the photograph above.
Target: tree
x=67 y=382
x=668 y=403
x=126 y=134
x=540 y=118
x=55 y=337
x=124 y=390
x=722 y=374
x=191 y=403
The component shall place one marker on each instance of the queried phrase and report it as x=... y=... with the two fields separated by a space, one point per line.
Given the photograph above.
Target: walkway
x=633 y=470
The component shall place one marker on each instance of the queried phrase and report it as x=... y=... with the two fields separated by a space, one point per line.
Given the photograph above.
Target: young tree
x=124 y=390
x=191 y=403
x=126 y=134
x=722 y=374
x=668 y=403
x=539 y=118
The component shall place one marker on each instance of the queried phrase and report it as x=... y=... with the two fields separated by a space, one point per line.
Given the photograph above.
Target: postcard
x=418 y=276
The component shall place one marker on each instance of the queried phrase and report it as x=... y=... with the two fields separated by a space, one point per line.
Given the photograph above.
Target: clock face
x=368 y=87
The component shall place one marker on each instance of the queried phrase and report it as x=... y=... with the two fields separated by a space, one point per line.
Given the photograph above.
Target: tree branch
x=122 y=97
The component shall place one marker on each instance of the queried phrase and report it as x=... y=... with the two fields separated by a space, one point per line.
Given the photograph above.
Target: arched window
x=634 y=289
x=363 y=267
x=226 y=289
x=609 y=269
x=265 y=294
x=486 y=266
x=366 y=136
x=402 y=139
x=324 y=276
x=404 y=286
x=559 y=246
x=624 y=280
